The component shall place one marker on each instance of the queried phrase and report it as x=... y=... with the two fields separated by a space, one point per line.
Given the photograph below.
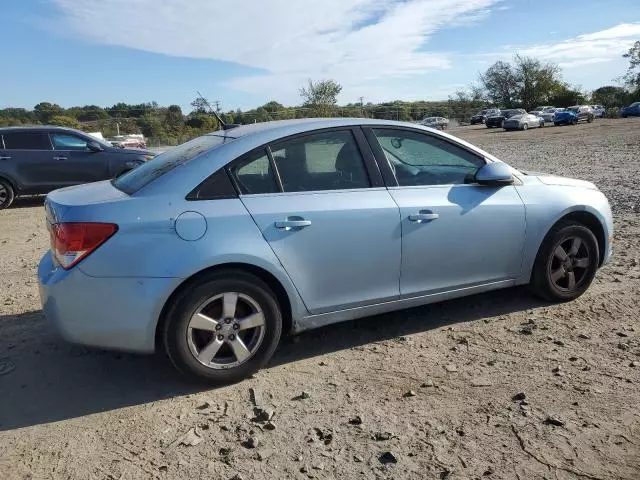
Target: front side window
x=63 y=141
x=253 y=174
x=321 y=161
x=419 y=159
x=26 y=141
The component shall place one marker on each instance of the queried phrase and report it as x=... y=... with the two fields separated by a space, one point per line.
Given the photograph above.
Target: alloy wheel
x=4 y=194
x=226 y=330
x=569 y=264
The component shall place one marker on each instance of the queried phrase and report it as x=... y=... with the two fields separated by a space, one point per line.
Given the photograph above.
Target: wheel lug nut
x=220 y=337
x=227 y=320
x=232 y=337
x=218 y=327
x=236 y=326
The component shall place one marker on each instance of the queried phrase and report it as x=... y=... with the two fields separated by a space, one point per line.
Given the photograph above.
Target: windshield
x=573 y=109
x=635 y=104
x=167 y=161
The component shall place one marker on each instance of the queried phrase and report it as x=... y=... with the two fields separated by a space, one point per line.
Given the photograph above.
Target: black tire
x=556 y=124
x=7 y=194
x=589 y=119
x=176 y=327
x=563 y=235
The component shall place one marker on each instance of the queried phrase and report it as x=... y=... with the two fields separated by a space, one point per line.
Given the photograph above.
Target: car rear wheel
x=589 y=119
x=224 y=328
x=525 y=126
x=6 y=194
x=566 y=262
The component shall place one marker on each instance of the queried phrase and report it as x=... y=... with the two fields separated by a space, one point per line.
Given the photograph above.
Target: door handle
x=59 y=158
x=423 y=216
x=289 y=224
x=5 y=158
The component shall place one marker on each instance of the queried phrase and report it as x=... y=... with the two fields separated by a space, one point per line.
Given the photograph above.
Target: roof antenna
x=224 y=125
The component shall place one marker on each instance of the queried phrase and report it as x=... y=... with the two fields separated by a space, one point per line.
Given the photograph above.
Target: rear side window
x=174 y=157
x=26 y=141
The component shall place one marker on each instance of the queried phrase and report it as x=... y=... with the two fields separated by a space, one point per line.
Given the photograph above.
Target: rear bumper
x=114 y=313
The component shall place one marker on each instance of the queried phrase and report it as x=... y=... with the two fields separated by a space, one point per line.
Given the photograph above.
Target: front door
x=75 y=163
x=336 y=234
x=455 y=234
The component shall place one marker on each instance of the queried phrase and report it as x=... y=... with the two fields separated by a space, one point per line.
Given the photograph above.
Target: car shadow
x=44 y=379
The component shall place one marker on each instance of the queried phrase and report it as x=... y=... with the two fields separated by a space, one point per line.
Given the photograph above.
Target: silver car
x=523 y=122
x=215 y=249
x=435 y=122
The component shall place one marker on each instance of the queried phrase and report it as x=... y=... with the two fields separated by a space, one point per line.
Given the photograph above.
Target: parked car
x=632 y=110
x=540 y=110
x=436 y=122
x=215 y=249
x=482 y=115
x=573 y=115
x=548 y=114
x=523 y=122
x=598 y=111
x=496 y=120
x=128 y=141
x=37 y=160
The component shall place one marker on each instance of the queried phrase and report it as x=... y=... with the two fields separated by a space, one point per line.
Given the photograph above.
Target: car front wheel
x=224 y=328
x=525 y=126
x=566 y=262
x=6 y=194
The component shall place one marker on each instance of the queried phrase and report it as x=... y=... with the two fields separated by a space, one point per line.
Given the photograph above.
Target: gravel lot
x=432 y=386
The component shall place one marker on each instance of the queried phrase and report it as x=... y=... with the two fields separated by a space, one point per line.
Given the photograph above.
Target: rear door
x=77 y=164
x=27 y=160
x=320 y=202
x=455 y=234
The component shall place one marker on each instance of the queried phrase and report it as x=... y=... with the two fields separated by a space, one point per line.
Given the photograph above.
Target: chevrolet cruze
x=216 y=248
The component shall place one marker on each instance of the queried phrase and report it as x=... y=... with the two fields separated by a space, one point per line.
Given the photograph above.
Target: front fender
x=545 y=205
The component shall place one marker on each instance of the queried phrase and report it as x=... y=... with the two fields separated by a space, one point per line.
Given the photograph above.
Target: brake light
x=71 y=242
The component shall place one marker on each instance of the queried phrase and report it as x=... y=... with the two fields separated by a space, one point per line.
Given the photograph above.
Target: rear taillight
x=71 y=242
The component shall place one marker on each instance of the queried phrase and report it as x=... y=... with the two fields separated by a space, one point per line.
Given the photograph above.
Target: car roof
x=283 y=128
x=27 y=128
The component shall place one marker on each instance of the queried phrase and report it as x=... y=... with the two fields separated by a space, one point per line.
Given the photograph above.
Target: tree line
x=524 y=82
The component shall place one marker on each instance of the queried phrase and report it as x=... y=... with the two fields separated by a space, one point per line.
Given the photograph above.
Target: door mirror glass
x=494 y=174
x=94 y=146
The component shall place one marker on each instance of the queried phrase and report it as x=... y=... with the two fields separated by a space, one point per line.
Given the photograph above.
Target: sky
x=245 y=53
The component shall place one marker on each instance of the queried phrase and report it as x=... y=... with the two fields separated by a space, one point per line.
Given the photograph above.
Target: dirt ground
x=498 y=386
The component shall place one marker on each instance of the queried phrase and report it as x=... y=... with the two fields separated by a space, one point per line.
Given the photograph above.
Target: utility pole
x=362 y=105
x=217 y=102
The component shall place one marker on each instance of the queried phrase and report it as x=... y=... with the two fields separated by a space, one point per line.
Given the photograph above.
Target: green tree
x=632 y=77
x=45 y=111
x=200 y=105
x=64 y=121
x=566 y=96
x=174 y=118
x=536 y=81
x=500 y=83
x=321 y=96
x=610 y=96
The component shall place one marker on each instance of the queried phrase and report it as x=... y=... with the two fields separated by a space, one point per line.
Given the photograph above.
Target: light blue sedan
x=215 y=249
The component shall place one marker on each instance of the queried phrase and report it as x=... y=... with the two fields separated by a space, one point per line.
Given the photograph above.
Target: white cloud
x=587 y=49
x=357 y=42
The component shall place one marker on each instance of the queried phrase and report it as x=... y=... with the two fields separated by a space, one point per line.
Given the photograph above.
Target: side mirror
x=94 y=146
x=495 y=174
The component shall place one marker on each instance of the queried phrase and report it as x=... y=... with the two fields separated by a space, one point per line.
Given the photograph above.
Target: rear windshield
x=167 y=161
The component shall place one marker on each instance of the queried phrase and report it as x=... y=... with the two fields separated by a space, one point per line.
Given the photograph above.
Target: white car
x=435 y=122
x=548 y=114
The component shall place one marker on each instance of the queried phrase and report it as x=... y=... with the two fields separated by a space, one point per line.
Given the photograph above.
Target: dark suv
x=36 y=160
